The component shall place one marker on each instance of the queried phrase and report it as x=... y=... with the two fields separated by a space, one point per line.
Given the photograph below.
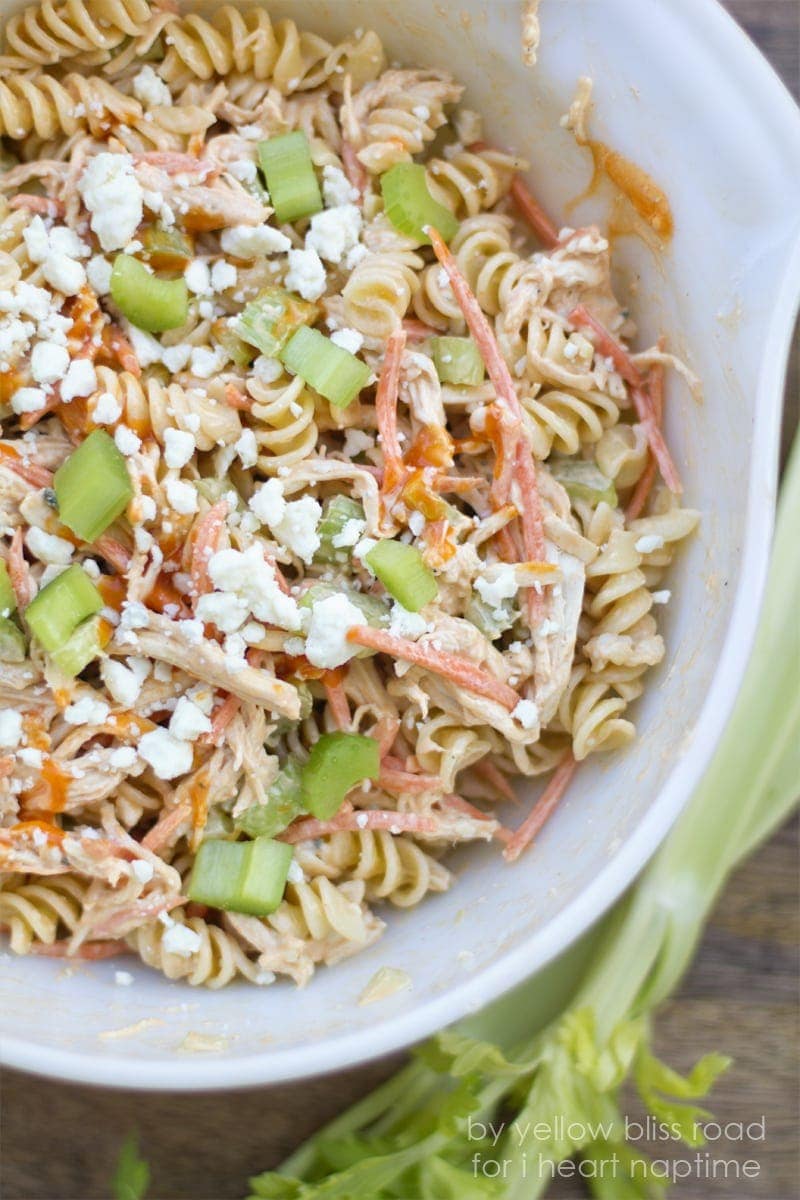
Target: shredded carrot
x=386 y=410
x=496 y=779
x=236 y=398
x=641 y=492
x=337 y=700
x=43 y=205
x=206 y=540
x=353 y=168
x=31 y=472
x=89 y=950
x=354 y=822
x=385 y=734
x=608 y=345
x=221 y=718
x=542 y=809
x=113 y=552
x=532 y=523
x=409 y=783
x=167 y=825
x=19 y=572
x=418 y=331
x=450 y=666
x=120 y=348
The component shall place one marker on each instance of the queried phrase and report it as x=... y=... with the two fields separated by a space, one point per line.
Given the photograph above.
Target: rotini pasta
x=288 y=484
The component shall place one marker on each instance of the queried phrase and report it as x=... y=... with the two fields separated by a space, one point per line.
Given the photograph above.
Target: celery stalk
x=517 y=1064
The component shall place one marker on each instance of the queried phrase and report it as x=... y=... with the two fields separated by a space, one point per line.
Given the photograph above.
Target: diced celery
x=410 y=206
x=293 y=188
x=81 y=648
x=270 y=320
x=403 y=573
x=457 y=360
x=61 y=606
x=263 y=880
x=583 y=480
x=338 y=761
x=247 y=877
x=486 y=619
x=150 y=303
x=8 y=601
x=329 y=369
x=284 y=802
x=237 y=350
x=92 y=486
x=336 y=512
x=166 y=248
x=12 y=642
x=213 y=490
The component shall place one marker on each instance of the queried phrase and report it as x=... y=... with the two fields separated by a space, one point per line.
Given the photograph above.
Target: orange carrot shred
x=450 y=666
x=542 y=809
x=206 y=540
x=355 y=821
x=386 y=410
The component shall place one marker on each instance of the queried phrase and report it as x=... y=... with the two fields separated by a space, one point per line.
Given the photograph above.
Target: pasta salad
x=332 y=497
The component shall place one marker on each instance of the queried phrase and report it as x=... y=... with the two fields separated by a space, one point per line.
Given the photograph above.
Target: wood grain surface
x=59 y=1142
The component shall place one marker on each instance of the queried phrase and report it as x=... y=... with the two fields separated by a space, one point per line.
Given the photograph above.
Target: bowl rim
x=717 y=28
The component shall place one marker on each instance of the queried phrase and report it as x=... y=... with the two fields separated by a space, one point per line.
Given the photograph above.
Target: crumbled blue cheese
x=348 y=339
x=49 y=362
x=252 y=579
x=649 y=542
x=527 y=713
x=113 y=196
x=297 y=528
x=334 y=232
x=251 y=241
x=179 y=446
x=336 y=187
x=406 y=624
x=326 y=641
x=47 y=547
x=80 y=380
x=86 y=711
x=107 y=409
x=10 y=728
x=267 y=502
x=181 y=496
x=126 y=441
x=188 y=721
x=123 y=684
x=306 y=274
x=167 y=755
x=151 y=89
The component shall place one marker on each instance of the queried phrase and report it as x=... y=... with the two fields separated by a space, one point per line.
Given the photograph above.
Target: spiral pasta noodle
x=218 y=959
x=46 y=106
x=151 y=407
x=393 y=867
x=379 y=292
x=47 y=33
x=469 y=181
x=35 y=910
x=284 y=427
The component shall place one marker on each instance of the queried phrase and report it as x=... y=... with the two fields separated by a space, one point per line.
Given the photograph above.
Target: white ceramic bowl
x=681 y=91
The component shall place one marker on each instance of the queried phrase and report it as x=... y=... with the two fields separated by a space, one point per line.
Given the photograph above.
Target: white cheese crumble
x=28 y=399
x=122 y=759
x=150 y=88
x=182 y=497
x=326 y=641
x=181 y=940
x=334 y=232
x=267 y=502
x=86 y=711
x=297 y=528
x=112 y=194
x=252 y=579
x=98 y=272
x=49 y=362
x=122 y=683
x=80 y=380
x=107 y=409
x=126 y=441
x=63 y=273
x=267 y=370
x=246 y=448
x=206 y=362
x=188 y=721
x=10 y=728
x=251 y=241
x=499 y=586
x=223 y=275
x=198 y=277
x=348 y=339
x=123 y=978
x=224 y=609
x=168 y=756
x=406 y=624
x=336 y=187
x=306 y=274
x=527 y=713
x=662 y=597
x=179 y=447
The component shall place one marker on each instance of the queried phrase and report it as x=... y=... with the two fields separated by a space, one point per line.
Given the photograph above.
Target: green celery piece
x=60 y=607
x=336 y=512
x=410 y=206
x=287 y=167
x=338 y=761
x=148 y=302
x=284 y=802
x=483 y=617
x=457 y=360
x=8 y=601
x=132 y=1174
x=327 y=368
x=247 y=877
x=92 y=486
x=263 y=880
x=235 y=347
x=403 y=572
x=12 y=642
x=81 y=648
x=270 y=320
x=583 y=480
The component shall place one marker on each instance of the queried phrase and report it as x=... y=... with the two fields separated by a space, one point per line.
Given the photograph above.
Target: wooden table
x=59 y=1142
